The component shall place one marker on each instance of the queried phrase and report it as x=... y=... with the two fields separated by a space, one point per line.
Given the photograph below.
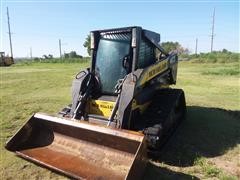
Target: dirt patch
x=231 y=166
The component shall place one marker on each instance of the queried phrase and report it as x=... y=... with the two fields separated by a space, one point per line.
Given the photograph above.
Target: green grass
x=211 y=170
x=223 y=71
x=27 y=89
x=207 y=167
x=209 y=90
x=207 y=141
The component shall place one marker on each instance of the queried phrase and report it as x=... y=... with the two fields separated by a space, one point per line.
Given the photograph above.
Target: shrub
x=214 y=57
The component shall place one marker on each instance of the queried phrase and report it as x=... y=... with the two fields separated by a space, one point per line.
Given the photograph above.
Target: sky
x=39 y=24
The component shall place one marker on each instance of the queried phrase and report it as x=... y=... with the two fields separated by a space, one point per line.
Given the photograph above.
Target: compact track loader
x=122 y=110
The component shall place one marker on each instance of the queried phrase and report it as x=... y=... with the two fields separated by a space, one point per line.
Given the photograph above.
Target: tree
x=224 y=51
x=50 y=56
x=174 y=46
x=66 y=55
x=169 y=46
x=45 y=56
x=73 y=54
x=87 y=44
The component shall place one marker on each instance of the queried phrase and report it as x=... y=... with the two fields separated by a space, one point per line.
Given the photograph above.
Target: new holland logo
x=157 y=69
x=106 y=106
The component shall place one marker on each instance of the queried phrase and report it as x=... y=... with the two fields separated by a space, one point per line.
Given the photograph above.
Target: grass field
x=205 y=146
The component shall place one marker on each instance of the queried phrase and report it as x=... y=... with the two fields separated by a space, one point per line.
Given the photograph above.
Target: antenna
x=9 y=33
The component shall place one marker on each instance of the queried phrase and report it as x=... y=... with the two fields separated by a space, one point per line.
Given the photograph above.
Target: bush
x=214 y=57
x=56 y=60
x=67 y=60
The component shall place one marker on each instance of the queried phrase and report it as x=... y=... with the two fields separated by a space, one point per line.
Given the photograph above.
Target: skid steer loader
x=122 y=110
x=5 y=60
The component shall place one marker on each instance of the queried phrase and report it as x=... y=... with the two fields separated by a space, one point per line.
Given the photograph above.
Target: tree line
x=168 y=46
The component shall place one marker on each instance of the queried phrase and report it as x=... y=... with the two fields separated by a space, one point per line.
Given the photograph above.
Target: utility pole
x=31 y=52
x=9 y=33
x=60 y=48
x=196 y=46
x=212 y=35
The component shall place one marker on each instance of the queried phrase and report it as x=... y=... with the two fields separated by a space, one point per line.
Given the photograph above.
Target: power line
x=9 y=33
x=212 y=35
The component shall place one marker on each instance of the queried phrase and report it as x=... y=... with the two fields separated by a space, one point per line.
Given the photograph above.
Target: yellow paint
x=100 y=107
x=153 y=71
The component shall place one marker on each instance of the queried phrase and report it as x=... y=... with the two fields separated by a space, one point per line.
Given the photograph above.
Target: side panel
x=153 y=71
x=173 y=61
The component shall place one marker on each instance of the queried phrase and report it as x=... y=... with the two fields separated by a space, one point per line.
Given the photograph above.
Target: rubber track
x=159 y=111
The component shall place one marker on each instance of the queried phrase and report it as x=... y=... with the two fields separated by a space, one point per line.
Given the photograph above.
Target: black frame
x=139 y=32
